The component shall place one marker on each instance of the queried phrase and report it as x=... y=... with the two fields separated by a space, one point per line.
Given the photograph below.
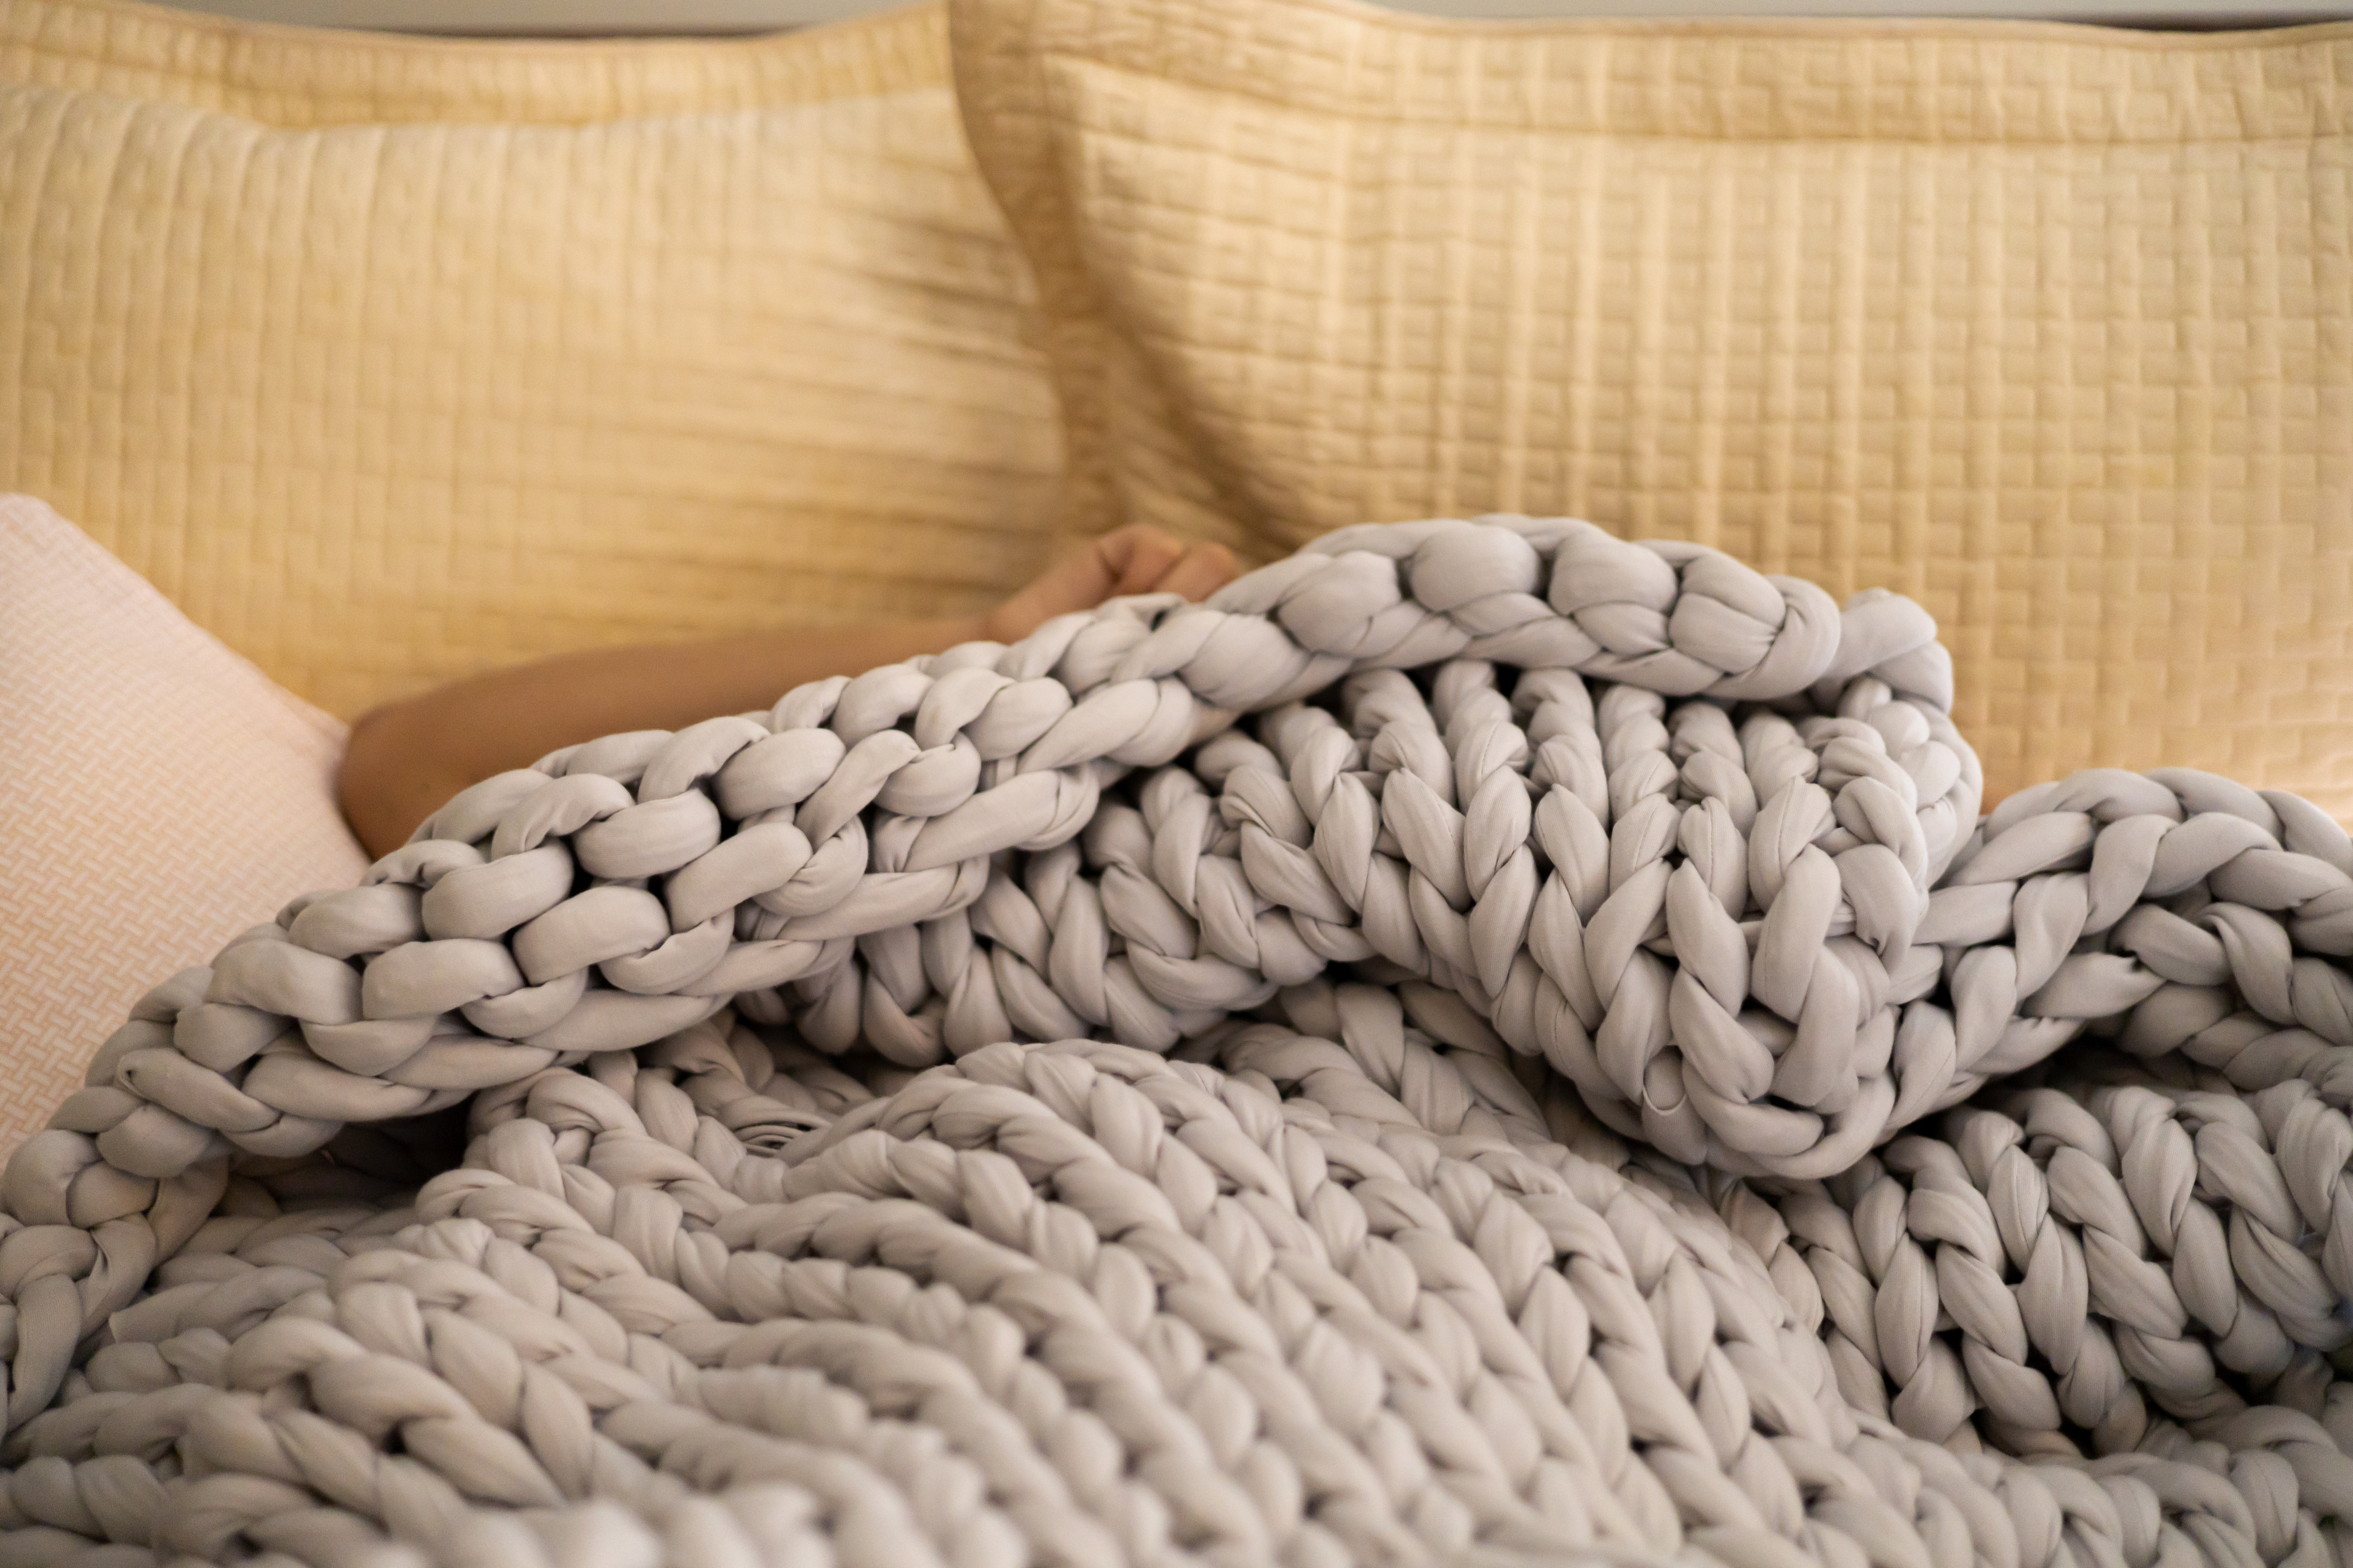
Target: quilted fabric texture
x=388 y=360
x=161 y=796
x=2046 y=327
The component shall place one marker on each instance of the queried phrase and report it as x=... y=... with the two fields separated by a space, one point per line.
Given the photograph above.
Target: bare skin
x=406 y=757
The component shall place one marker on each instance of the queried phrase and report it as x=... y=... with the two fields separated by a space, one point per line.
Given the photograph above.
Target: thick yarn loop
x=1709 y=927
x=2097 y=1255
x=899 y=851
x=1483 y=1042
x=1073 y=1303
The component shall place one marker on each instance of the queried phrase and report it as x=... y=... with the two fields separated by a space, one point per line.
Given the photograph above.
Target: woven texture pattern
x=1408 y=1061
x=162 y=796
x=2042 y=326
x=388 y=361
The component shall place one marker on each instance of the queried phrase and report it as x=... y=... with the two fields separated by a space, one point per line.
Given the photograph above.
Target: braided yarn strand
x=1484 y=1042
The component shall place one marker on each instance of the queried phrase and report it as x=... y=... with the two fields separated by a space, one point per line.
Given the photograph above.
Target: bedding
x=2042 y=326
x=162 y=794
x=1487 y=1043
x=1395 y=1063
x=391 y=360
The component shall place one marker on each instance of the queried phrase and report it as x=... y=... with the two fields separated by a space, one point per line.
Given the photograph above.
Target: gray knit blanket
x=1483 y=1043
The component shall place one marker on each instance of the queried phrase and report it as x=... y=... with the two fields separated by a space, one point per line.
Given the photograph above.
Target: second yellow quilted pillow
x=388 y=359
x=2049 y=327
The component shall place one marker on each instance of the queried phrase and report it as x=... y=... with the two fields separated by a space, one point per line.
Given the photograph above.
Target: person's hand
x=1137 y=559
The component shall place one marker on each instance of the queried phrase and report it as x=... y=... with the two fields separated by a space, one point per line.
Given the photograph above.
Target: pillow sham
x=162 y=794
x=390 y=359
x=2048 y=326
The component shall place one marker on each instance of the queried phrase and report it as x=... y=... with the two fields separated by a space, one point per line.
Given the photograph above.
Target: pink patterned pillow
x=158 y=795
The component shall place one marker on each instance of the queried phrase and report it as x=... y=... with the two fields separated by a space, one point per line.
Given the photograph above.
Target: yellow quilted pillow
x=2050 y=327
x=390 y=359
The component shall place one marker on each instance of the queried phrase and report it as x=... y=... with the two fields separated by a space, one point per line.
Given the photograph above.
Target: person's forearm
x=407 y=757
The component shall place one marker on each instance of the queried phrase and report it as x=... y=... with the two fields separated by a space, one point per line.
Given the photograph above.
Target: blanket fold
x=1484 y=1042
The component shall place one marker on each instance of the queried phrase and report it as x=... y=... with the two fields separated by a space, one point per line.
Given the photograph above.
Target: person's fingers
x=1082 y=580
x=1201 y=572
x=1061 y=589
x=1137 y=557
x=1078 y=581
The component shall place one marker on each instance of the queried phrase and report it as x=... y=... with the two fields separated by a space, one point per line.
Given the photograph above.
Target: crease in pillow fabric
x=163 y=794
x=390 y=359
x=2050 y=328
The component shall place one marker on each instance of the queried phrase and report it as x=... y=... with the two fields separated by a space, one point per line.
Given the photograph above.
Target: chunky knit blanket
x=1483 y=1044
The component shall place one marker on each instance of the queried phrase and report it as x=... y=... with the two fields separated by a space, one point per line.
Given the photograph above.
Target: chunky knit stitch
x=1484 y=1042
